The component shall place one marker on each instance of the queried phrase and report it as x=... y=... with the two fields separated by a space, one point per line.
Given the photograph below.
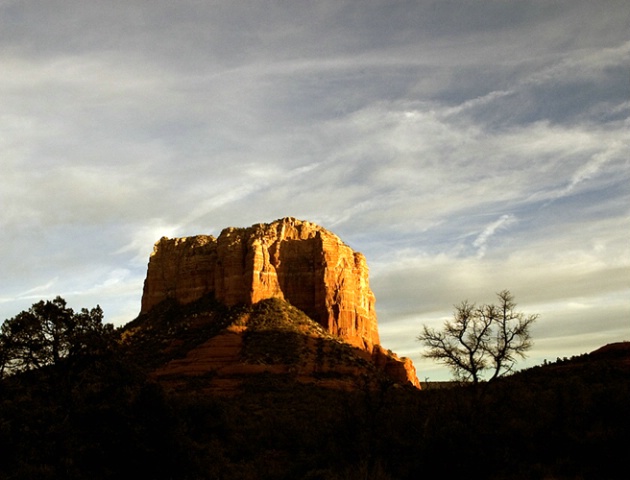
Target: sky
x=464 y=147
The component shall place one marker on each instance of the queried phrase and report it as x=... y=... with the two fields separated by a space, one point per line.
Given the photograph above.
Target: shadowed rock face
x=293 y=260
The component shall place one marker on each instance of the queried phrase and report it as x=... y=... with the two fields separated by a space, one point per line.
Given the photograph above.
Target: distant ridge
x=619 y=351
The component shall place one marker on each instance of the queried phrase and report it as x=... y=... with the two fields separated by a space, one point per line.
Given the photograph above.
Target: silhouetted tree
x=488 y=337
x=48 y=332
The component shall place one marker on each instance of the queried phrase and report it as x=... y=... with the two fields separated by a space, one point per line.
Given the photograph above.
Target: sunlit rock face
x=400 y=369
x=294 y=260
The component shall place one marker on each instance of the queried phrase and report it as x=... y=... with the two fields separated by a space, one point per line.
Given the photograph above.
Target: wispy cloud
x=481 y=242
x=460 y=149
x=36 y=292
x=595 y=164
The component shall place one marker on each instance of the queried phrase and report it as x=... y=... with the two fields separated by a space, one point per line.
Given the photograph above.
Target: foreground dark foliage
x=99 y=418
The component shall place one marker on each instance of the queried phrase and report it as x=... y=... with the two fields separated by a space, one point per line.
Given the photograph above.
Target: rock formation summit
x=288 y=259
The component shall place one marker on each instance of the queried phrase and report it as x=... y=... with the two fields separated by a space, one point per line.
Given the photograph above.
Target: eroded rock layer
x=296 y=261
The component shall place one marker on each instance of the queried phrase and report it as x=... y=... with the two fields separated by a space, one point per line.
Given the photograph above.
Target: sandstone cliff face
x=289 y=259
x=293 y=260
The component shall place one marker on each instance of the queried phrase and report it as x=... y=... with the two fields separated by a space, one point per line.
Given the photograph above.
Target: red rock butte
x=290 y=259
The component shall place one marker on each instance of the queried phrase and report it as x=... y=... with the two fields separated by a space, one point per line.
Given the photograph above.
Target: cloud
x=463 y=148
x=481 y=241
x=594 y=165
x=37 y=292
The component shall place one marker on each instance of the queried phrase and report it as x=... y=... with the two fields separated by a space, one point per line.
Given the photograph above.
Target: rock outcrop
x=296 y=261
x=289 y=259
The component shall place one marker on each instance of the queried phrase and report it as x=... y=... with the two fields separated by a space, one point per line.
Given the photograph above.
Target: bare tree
x=489 y=337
